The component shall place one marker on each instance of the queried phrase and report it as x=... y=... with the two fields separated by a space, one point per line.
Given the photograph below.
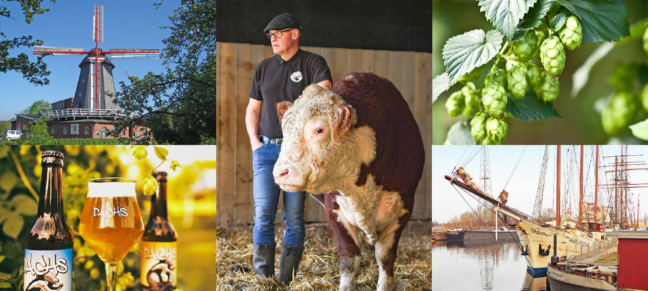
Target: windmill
x=96 y=68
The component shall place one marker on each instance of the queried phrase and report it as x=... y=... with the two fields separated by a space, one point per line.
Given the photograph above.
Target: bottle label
x=158 y=270
x=48 y=270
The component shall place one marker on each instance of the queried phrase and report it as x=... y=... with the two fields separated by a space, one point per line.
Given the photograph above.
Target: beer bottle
x=49 y=242
x=158 y=271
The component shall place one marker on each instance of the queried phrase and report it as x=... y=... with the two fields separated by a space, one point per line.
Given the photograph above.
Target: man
x=282 y=77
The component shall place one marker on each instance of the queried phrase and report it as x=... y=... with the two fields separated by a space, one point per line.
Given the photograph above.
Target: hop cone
x=534 y=76
x=456 y=103
x=494 y=98
x=549 y=88
x=498 y=76
x=517 y=83
x=618 y=113
x=552 y=55
x=149 y=186
x=526 y=47
x=472 y=99
x=571 y=34
x=473 y=75
x=623 y=76
x=496 y=129
x=511 y=62
x=541 y=34
x=478 y=126
x=489 y=141
x=644 y=97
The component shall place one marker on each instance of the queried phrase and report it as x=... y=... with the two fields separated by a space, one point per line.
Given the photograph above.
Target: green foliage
x=460 y=134
x=4 y=125
x=78 y=141
x=35 y=72
x=505 y=14
x=464 y=53
x=179 y=105
x=478 y=126
x=524 y=30
x=36 y=133
x=36 y=107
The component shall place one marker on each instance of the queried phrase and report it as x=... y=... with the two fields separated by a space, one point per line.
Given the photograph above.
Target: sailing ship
x=536 y=238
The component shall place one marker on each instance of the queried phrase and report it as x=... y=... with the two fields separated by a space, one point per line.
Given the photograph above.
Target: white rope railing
x=85 y=113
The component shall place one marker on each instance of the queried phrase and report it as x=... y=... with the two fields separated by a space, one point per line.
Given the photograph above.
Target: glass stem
x=111 y=276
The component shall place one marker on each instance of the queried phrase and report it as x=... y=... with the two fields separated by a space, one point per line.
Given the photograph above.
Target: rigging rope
x=513 y=172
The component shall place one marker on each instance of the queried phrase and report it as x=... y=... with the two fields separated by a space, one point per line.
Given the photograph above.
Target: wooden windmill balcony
x=85 y=113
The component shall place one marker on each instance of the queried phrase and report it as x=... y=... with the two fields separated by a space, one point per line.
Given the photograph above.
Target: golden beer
x=111 y=225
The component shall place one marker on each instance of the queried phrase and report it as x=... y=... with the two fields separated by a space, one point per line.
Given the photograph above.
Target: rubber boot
x=289 y=263
x=263 y=259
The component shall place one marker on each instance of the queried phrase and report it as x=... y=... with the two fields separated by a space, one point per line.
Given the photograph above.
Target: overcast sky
x=127 y=24
x=522 y=188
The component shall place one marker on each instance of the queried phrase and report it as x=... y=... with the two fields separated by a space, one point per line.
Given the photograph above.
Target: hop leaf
x=478 y=126
x=571 y=34
x=494 y=98
x=517 y=83
x=149 y=186
x=549 y=89
x=525 y=48
x=552 y=55
x=618 y=113
x=496 y=129
x=497 y=76
x=456 y=103
x=140 y=153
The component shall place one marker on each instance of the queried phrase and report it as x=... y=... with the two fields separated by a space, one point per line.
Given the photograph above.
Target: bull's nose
x=283 y=173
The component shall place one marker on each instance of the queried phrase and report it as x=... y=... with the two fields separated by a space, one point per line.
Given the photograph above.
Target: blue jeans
x=266 y=198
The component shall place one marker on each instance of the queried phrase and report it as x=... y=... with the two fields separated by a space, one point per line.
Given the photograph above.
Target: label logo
x=110 y=212
x=48 y=271
x=296 y=77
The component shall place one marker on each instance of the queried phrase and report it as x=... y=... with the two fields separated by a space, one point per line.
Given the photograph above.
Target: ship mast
x=580 y=203
x=558 y=188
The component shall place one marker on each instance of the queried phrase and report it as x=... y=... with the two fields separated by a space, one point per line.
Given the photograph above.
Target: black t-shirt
x=276 y=80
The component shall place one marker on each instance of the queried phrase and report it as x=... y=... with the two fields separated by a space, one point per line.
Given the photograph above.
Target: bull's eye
x=319 y=130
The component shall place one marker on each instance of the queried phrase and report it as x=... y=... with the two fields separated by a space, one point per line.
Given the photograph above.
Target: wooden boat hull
x=561 y=281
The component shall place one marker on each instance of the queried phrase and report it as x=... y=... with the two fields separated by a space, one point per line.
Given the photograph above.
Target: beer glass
x=111 y=221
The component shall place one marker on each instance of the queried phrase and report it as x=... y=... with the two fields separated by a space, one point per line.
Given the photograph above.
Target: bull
x=360 y=146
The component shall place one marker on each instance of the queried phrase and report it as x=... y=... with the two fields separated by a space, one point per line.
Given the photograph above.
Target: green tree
x=179 y=105
x=37 y=107
x=4 y=125
x=36 y=133
x=35 y=72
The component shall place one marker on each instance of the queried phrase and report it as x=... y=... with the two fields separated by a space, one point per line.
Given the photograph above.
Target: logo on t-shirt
x=296 y=76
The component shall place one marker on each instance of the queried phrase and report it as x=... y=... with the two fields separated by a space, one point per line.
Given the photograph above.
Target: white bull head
x=321 y=149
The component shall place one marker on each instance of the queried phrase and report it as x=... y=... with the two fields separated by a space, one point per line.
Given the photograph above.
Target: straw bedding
x=318 y=269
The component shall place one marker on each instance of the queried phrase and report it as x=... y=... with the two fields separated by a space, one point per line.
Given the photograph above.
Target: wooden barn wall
x=411 y=72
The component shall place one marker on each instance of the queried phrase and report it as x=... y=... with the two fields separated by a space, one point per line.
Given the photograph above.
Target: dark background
x=404 y=25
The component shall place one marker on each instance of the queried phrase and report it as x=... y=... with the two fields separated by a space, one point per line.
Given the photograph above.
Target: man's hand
x=255 y=143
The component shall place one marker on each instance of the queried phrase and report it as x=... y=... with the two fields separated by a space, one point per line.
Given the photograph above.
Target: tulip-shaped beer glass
x=111 y=221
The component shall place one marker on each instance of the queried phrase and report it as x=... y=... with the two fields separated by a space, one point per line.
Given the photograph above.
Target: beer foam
x=111 y=189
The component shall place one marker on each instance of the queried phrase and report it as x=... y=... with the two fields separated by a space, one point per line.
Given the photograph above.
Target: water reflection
x=481 y=265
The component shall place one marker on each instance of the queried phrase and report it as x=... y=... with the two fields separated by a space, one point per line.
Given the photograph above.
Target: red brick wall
x=94 y=128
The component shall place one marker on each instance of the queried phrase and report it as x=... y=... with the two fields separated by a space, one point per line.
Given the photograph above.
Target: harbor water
x=481 y=265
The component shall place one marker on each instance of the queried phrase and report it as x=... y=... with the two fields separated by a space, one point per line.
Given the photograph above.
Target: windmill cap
x=282 y=21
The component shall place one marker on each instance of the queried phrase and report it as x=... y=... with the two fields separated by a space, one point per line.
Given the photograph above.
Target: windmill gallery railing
x=85 y=113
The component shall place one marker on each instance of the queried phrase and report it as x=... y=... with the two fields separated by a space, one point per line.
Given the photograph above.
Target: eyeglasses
x=277 y=34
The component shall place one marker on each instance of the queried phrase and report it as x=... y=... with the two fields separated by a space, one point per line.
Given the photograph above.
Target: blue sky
x=127 y=24
x=522 y=188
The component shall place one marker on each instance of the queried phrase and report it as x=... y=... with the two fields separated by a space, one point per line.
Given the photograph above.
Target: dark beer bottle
x=158 y=271
x=49 y=242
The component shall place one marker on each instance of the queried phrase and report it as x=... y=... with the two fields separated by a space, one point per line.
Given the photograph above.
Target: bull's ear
x=343 y=122
x=282 y=107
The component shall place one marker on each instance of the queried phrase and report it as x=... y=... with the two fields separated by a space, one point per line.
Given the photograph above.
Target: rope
x=514 y=168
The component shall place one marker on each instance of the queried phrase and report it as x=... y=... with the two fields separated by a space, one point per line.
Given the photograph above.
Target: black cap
x=52 y=158
x=282 y=21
